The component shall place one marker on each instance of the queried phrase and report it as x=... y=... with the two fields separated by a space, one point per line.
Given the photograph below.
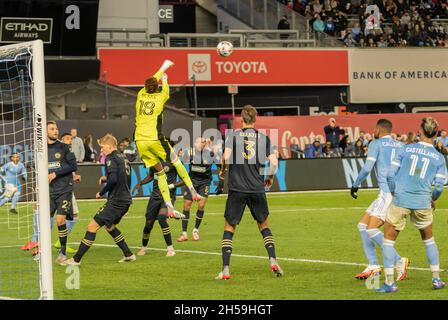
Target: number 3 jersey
x=149 y=112
x=416 y=168
x=250 y=149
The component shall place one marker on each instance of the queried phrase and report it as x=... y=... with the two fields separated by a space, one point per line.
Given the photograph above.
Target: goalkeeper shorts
x=154 y=151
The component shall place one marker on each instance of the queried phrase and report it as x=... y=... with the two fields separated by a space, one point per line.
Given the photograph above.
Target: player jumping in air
x=152 y=145
x=61 y=165
x=119 y=199
x=381 y=153
x=415 y=170
x=14 y=175
x=201 y=157
x=156 y=208
x=246 y=152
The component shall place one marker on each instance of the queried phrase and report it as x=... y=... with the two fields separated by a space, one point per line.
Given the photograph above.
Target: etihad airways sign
x=398 y=75
x=245 y=67
x=14 y=30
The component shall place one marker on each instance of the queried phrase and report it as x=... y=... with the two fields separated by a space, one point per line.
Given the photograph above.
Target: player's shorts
x=111 y=213
x=154 y=151
x=154 y=206
x=10 y=190
x=62 y=205
x=380 y=205
x=421 y=218
x=74 y=204
x=202 y=188
x=237 y=202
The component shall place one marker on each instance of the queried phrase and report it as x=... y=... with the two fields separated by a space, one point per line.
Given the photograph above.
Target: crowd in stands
x=378 y=23
x=339 y=144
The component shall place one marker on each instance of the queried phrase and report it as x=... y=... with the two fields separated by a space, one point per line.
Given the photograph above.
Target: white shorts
x=380 y=205
x=74 y=204
x=10 y=190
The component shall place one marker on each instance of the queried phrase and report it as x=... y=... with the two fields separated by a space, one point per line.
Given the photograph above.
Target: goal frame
x=41 y=163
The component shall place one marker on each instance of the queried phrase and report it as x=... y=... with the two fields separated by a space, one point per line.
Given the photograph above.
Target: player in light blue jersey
x=14 y=175
x=415 y=170
x=381 y=152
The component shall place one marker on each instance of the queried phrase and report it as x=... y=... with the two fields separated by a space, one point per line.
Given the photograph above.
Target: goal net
x=24 y=199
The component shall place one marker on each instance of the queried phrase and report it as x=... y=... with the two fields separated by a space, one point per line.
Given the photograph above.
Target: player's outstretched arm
x=439 y=181
x=273 y=166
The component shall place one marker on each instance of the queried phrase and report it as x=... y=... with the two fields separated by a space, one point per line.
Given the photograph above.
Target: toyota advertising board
x=245 y=67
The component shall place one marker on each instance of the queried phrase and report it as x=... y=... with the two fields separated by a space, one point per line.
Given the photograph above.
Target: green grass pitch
x=316 y=238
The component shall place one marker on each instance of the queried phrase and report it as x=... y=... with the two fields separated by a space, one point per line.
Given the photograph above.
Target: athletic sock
x=84 y=246
x=268 y=240
x=185 y=221
x=147 y=232
x=432 y=253
x=35 y=226
x=389 y=260
x=227 y=248
x=377 y=236
x=199 y=216
x=119 y=240
x=63 y=233
x=70 y=225
x=163 y=187
x=368 y=245
x=166 y=231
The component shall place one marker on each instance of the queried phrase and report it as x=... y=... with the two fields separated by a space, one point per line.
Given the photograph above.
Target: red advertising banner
x=303 y=130
x=245 y=67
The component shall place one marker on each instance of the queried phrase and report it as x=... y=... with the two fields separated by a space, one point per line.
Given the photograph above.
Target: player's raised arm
x=372 y=155
x=161 y=75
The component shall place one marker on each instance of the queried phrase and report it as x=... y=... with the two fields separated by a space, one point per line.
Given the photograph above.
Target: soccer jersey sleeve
x=165 y=87
x=112 y=178
x=372 y=156
x=394 y=168
x=439 y=180
x=71 y=165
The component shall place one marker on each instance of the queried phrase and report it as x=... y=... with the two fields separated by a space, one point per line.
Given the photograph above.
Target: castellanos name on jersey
x=381 y=153
x=419 y=166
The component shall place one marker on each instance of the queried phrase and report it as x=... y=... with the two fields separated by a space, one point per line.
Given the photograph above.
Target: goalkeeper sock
x=183 y=174
x=119 y=240
x=147 y=232
x=166 y=230
x=63 y=233
x=227 y=247
x=163 y=187
x=85 y=245
x=199 y=216
x=268 y=240
x=185 y=221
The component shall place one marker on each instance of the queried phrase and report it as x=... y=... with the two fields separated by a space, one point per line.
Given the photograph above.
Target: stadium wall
x=292 y=175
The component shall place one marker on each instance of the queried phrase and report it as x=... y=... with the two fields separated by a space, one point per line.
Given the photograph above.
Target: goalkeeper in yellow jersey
x=152 y=145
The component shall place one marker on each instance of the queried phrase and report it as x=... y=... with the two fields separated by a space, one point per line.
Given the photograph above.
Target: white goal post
x=36 y=200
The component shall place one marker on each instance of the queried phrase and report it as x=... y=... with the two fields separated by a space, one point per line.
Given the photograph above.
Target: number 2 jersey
x=149 y=112
x=414 y=171
x=250 y=149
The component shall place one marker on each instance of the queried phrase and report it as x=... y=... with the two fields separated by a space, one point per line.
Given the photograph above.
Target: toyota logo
x=199 y=66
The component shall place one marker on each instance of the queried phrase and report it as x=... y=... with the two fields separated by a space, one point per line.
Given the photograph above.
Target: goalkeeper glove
x=166 y=65
x=171 y=186
x=353 y=192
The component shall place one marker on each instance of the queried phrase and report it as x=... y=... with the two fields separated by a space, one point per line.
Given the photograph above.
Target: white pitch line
x=236 y=255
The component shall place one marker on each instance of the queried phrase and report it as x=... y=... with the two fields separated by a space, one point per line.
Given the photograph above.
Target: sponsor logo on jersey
x=57 y=155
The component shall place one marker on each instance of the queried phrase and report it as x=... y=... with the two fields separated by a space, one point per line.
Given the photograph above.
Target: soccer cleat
x=13 y=211
x=61 y=259
x=368 y=272
x=174 y=214
x=128 y=259
x=223 y=276
x=70 y=262
x=142 y=251
x=277 y=270
x=170 y=253
x=437 y=283
x=195 y=235
x=182 y=238
x=29 y=246
x=402 y=268
x=388 y=288
x=68 y=249
x=35 y=251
